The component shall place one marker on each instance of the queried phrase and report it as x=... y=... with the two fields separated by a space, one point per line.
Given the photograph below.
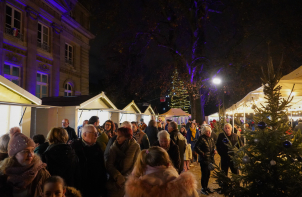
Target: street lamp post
x=217 y=81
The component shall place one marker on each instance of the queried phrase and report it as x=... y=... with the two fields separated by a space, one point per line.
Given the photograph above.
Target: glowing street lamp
x=216 y=81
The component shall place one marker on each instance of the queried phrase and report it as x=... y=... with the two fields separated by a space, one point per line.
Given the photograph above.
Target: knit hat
x=18 y=141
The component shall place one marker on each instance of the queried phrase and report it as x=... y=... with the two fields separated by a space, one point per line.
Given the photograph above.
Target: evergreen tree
x=178 y=93
x=270 y=162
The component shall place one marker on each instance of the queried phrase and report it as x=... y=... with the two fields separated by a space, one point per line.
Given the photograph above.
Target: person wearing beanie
x=121 y=158
x=22 y=173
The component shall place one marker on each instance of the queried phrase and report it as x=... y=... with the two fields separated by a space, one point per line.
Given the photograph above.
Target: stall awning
x=175 y=112
x=13 y=94
x=131 y=108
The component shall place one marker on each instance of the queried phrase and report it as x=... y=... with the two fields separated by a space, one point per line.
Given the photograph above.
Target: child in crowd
x=55 y=186
x=154 y=175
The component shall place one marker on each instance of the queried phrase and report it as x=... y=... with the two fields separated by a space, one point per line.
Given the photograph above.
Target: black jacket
x=62 y=161
x=142 y=139
x=180 y=141
x=222 y=148
x=41 y=149
x=205 y=147
x=214 y=136
x=92 y=167
x=71 y=133
x=173 y=153
x=152 y=134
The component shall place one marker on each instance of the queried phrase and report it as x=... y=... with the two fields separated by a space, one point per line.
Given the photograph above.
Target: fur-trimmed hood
x=164 y=182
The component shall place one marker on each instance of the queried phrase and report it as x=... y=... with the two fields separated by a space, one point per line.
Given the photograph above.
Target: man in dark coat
x=224 y=138
x=152 y=131
x=41 y=145
x=71 y=133
x=166 y=143
x=205 y=148
x=188 y=125
x=92 y=165
x=140 y=137
x=179 y=140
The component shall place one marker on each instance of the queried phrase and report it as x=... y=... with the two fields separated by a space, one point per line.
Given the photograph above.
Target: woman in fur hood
x=154 y=175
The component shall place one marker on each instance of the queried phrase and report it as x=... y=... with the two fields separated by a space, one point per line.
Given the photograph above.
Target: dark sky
x=236 y=40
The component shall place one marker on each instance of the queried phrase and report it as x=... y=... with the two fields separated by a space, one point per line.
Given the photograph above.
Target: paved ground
x=196 y=171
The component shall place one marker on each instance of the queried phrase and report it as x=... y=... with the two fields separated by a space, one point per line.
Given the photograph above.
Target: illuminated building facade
x=44 y=46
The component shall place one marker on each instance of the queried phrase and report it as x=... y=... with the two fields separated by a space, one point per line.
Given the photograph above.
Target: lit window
x=43 y=37
x=68 y=53
x=68 y=90
x=42 y=85
x=12 y=73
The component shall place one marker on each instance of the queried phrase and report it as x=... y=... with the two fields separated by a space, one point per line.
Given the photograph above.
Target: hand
x=215 y=151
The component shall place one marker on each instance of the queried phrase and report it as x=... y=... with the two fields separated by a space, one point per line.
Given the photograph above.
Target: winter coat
x=222 y=148
x=3 y=156
x=152 y=134
x=181 y=142
x=92 y=168
x=205 y=147
x=173 y=153
x=298 y=127
x=62 y=161
x=110 y=142
x=120 y=164
x=41 y=149
x=163 y=182
x=142 y=139
x=34 y=189
x=189 y=137
x=188 y=125
x=102 y=140
x=214 y=136
x=188 y=153
x=71 y=133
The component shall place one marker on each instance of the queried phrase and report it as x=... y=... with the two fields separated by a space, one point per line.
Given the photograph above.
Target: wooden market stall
x=177 y=115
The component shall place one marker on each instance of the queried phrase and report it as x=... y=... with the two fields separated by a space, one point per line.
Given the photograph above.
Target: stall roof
x=99 y=101
x=175 y=112
x=147 y=110
x=257 y=96
x=11 y=93
x=131 y=108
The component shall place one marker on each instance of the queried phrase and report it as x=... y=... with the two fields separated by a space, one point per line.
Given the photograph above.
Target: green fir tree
x=270 y=162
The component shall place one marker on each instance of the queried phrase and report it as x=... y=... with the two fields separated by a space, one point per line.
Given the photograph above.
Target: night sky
x=236 y=34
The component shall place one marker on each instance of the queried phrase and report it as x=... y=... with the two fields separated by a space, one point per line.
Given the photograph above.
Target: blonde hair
x=57 y=135
x=154 y=156
x=4 y=139
x=7 y=162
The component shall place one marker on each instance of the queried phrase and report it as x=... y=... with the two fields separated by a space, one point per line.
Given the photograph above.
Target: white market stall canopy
x=257 y=96
x=147 y=114
x=130 y=112
x=13 y=103
x=175 y=112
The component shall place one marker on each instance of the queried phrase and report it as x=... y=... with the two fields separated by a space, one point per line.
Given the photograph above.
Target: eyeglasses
x=93 y=133
x=108 y=125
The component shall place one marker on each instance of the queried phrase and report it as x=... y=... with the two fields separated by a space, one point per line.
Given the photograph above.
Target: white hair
x=163 y=134
x=88 y=127
x=228 y=124
x=126 y=124
x=205 y=128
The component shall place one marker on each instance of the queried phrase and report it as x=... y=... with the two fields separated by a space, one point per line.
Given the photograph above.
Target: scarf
x=193 y=133
x=22 y=176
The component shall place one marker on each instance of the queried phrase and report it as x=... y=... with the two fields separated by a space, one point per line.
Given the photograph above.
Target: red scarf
x=22 y=176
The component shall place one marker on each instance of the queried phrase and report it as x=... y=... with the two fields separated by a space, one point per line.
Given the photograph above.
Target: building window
x=12 y=73
x=68 y=53
x=13 y=22
x=42 y=85
x=43 y=37
x=68 y=89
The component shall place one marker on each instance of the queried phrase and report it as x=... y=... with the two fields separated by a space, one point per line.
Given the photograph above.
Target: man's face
x=228 y=130
x=164 y=143
x=107 y=126
x=90 y=136
x=85 y=122
x=97 y=123
x=65 y=123
x=134 y=127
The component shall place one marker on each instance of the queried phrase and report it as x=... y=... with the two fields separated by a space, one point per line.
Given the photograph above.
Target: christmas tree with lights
x=178 y=93
x=270 y=162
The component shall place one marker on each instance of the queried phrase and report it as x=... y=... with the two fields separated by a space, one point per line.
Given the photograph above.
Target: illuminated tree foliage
x=270 y=162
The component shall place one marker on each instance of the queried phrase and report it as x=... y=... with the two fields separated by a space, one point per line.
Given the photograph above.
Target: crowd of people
x=132 y=160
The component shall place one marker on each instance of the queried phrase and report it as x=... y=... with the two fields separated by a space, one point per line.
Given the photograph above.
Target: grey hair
x=88 y=127
x=163 y=134
x=226 y=124
x=205 y=128
x=126 y=124
x=173 y=125
x=4 y=139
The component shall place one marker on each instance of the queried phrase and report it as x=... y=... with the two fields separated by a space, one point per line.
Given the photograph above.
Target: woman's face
x=193 y=126
x=182 y=129
x=120 y=138
x=25 y=156
x=54 y=190
x=107 y=126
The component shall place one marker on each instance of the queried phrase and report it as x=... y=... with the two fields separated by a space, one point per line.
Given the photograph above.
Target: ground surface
x=196 y=171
